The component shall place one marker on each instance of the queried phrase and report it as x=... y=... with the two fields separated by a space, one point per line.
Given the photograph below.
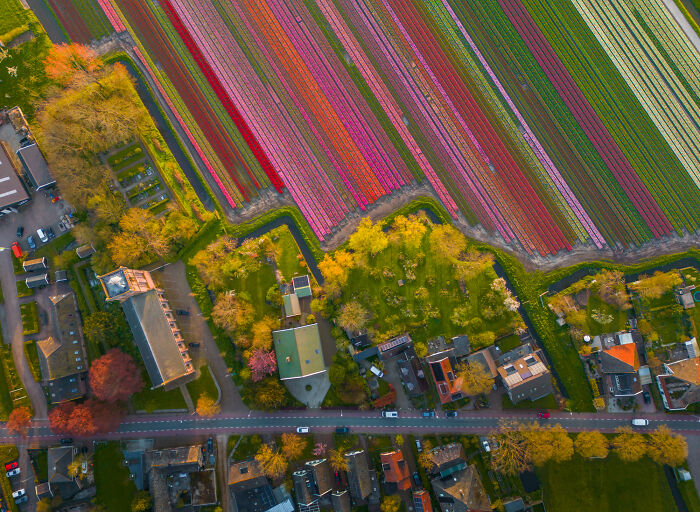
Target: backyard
x=30 y=318
x=114 y=487
x=608 y=485
x=287 y=257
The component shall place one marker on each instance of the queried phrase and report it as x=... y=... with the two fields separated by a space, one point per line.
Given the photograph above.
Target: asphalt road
x=358 y=421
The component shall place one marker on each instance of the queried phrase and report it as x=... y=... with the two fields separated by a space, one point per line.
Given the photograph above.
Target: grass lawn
x=150 y=400
x=256 y=285
x=40 y=462
x=33 y=359
x=54 y=248
x=115 y=489
x=287 y=254
x=30 y=318
x=614 y=319
x=397 y=309
x=23 y=290
x=204 y=385
x=10 y=382
x=248 y=446
x=605 y=485
x=508 y=343
x=546 y=402
x=690 y=495
x=665 y=317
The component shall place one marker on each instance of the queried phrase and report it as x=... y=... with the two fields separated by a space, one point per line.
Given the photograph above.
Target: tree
x=19 y=421
x=335 y=267
x=592 y=444
x=268 y=394
x=274 y=296
x=368 y=239
x=482 y=339
x=231 y=312
x=262 y=363
x=424 y=459
x=319 y=449
x=353 y=316
x=408 y=231
x=207 y=406
x=665 y=447
x=628 y=445
x=447 y=243
x=142 y=502
x=421 y=349
x=612 y=289
x=599 y=403
x=390 y=504
x=44 y=505
x=86 y=419
x=337 y=460
x=547 y=443
x=210 y=261
x=114 y=377
x=59 y=417
x=70 y=63
x=272 y=463
x=475 y=379
x=293 y=445
x=512 y=454
x=398 y=440
x=655 y=286
x=262 y=332
x=105 y=328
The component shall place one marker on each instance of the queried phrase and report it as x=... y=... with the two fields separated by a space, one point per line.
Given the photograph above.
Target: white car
x=13 y=472
x=18 y=493
x=302 y=430
x=390 y=414
x=42 y=235
x=640 y=422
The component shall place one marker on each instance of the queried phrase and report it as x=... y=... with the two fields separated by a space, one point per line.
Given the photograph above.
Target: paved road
x=357 y=421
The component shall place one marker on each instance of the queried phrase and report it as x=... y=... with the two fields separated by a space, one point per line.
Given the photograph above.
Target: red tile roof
x=446 y=386
x=626 y=353
x=395 y=469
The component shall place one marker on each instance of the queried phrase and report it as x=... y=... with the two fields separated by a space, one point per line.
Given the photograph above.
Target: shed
x=37 y=281
x=85 y=251
x=35 y=167
x=61 y=276
x=35 y=264
x=291 y=305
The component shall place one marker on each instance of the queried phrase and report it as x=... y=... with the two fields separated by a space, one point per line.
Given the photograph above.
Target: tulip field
x=83 y=20
x=548 y=123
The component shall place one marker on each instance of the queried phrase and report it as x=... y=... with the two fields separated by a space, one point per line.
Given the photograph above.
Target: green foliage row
x=30 y=318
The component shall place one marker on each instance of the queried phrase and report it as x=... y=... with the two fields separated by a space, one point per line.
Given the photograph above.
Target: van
x=390 y=414
x=376 y=371
x=638 y=422
x=43 y=236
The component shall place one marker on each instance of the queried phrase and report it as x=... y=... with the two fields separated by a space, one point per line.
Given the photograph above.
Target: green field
x=608 y=485
x=287 y=253
x=115 y=489
x=150 y=400
x=204 y=385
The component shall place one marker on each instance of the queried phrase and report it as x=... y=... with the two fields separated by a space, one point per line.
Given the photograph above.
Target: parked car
x=31 y=243
x=485 y=444
x=21 y=500
x=302 y=430
x=647 y=397
x=194 y=344
x=376 y=371
x=16 y=250
x=451 y=414
x=338 y=481
x=416 y=479
x=543 y=415
x=18 y=493
x=342 y=430
x=640 y=422
x=20 y=231
x=11 y=465
x=419 y=446
x=43 y=236
x=390 y=414
x=67 y=440
x=428 y=414
x=13 y=472
x=182 y=312
x=50 y=233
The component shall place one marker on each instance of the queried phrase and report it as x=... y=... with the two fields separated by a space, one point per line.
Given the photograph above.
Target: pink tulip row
x=112 y=15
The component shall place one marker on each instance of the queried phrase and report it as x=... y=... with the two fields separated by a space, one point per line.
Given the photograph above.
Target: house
x=43 y=490
x=62 y=356
x=411 y=373
x=299 y=352
x=38 y=281
x=152 y=321
x=618 y=359
x=515 y=505
x=302 y=287
x=527 y=378
x=13 y=193
x=421 y=501
x=485 y=358
x=447 y=459
x=35 y=167
x=341 y=501
x=359 y=483
x=291 y=305
x=312 y=483
x=461 y=491
x=396 y=474
x=443 y=364
x=684 y=296
x=250 y=490
x=35 y=264
x=85 y=251
x=394 y=346
x=58 y=459
x=679 y=385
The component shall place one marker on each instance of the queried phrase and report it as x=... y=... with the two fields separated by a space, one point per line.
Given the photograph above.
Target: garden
x=30 y=318
x=115 y=488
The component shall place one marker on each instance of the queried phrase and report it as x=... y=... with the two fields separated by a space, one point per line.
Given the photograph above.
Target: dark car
x=647 y=397
x=451 y=414
x=428 y=414
x=50 y=233
x=182 y=312
x=21 y=500
x=417 y=480
x=67 y=440
x=20 y=231
x=338 y=481
x=194 y=344
x=31 y=243
x=342 y=430
x=210 y=444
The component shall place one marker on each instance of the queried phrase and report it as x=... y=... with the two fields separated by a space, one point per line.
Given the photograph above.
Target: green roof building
x=302 y=286
x=291 y=305
x=299 y=352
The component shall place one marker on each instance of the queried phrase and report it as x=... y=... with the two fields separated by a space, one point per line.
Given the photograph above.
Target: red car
x=543 y=415
x=16 y=250
x=11 y=465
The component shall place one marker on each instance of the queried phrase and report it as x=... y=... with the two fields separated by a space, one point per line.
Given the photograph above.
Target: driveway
x=173 y=279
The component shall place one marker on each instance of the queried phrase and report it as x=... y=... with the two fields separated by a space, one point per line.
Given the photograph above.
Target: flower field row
x=548 y=123
x=83 y=20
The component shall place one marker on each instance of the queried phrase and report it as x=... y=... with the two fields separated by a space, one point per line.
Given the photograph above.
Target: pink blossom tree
x=261 y=363
x=319 y=449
